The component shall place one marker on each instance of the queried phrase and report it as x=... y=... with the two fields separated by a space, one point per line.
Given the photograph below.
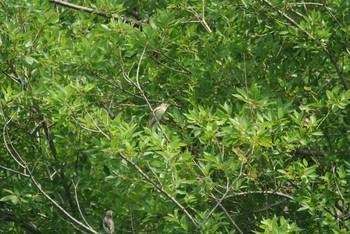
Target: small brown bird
x=157 y=114
x=108 y=224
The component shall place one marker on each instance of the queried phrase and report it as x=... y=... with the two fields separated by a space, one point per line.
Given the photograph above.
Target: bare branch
x=19 y=161
x=306 y=3
x=50 y=140
x=218 y=200
x=30 y=175
x=38 y=186
x=78 y=204
x=200 y=18
x=14 y=171
x=138 y=70
x=260 y=192
x=309 y=152
x=14 y=78
x=233 y=223
x=83 y=127
x=132 y=221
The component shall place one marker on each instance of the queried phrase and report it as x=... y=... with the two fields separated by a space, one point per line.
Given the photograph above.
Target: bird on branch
x=157 y=113
x=108 y=224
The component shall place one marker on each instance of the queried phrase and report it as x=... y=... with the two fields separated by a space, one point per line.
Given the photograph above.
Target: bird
x=157 y=113
x=108 y=224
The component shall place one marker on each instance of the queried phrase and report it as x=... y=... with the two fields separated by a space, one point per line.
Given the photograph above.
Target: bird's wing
x=150 y=120
x=109 y=225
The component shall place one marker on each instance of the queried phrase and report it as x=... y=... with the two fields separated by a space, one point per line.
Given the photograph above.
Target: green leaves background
x=258 y=130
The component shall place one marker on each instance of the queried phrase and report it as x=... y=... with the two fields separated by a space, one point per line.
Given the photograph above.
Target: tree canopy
x=256 y=138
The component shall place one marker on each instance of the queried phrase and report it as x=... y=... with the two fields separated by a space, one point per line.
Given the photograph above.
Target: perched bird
x=108 y=224
x=157 y=113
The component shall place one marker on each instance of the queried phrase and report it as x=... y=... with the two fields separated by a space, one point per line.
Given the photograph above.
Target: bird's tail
x=150 y=122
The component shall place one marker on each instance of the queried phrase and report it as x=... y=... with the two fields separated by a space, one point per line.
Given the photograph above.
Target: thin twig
x=83 y=127
x=78 y=204
x=219 y=201
x=324 y=47
x=5 y=133
x=228 y=186
x=101 y=13
x=247 y=90
x=138 y=86
x=14 y=171
x=263 y=209
x=160 y=189
x=170 y=68
x=200 y=18
x=126 y=91
x=96 y=125
x=260 y=192
x=233 y=223
x=132 y=221
x=14 y=78
x=223 y=196
x=155 y=175
x=120 y=87
x=306 y=3
x=39 y=187
x=336 y=182
x=175 y=61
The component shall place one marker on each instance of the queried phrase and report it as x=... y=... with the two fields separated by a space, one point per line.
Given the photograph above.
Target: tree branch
x=149 y=180
x=233 y=223
x=52 y=146
x=14 y=171
x=38 y=186
x=138 y=86
x=324 y=47
x=309 y=152
x=100 y=13
x=260 y=192
x=201 y=18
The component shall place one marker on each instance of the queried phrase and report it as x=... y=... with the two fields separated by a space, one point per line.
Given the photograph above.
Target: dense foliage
x=257 y=137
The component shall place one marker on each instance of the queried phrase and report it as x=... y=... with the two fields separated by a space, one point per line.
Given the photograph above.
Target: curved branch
x=38 y=186
x=78 y=204
x=19 y=161
x=50 y=140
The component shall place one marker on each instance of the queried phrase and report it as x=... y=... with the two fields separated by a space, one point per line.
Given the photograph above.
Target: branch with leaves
x=160 y=189
x=97 y=12
x=322 y=45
